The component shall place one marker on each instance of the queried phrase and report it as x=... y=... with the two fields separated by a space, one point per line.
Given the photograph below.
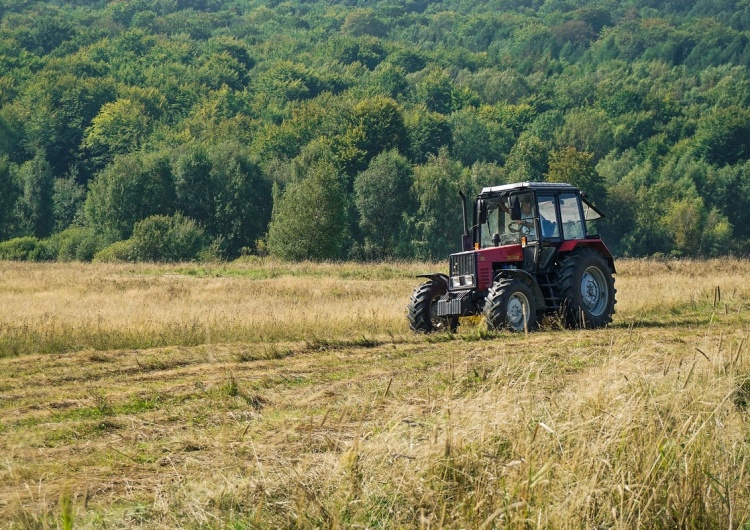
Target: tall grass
x=293 y=410
x=56 y=308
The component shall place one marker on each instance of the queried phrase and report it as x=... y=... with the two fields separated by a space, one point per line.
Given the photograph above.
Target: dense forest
x=314 y=129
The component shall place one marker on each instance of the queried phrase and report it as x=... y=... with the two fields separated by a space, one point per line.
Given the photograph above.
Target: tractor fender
x=596 y=244
x=439 y=277
x=528 y=279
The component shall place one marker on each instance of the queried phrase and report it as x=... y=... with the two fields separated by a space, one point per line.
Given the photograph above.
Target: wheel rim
x=594 y=292
x=518 y=308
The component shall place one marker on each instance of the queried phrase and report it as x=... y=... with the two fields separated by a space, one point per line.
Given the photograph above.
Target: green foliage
x=132 y=188
x=379 y=125
x=111 y=112
x=119 y=128
x=75 y=244
x=437 y=224
x=577 y=168
x=159 y=238
x=8 y=137
x=241 y=200
x=363 y=22
x=724 y=136
x=383 y=200
x=36 y=203
x=478 y=138
x=166 y=238
x=428 y=132
x=67 y=200
x=9 y=193
x=527 y=160
x=436 y=92
x=587 y=130
x=310 y=218
x=53 y=110
x=25 y=248
x=118 y=251
x=367 y=51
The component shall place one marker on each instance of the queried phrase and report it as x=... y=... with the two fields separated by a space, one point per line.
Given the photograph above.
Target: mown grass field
x=268 y=395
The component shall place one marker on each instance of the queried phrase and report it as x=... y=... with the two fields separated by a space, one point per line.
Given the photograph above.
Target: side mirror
x=515 y=209
x=482 y=211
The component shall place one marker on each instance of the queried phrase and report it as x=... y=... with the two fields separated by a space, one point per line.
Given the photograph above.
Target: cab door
x=571 y=216
x=549 y=228
x=524 y=223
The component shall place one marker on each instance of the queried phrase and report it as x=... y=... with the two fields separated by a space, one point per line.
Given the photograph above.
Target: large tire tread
x=496 y=304
x=573 y=312
x=419 y=313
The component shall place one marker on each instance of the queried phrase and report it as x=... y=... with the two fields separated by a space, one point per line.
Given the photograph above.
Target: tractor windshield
x=509 y=217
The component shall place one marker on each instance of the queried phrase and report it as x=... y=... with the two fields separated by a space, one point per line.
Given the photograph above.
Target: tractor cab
x=538 y=216
x=546 y=212
x=532 y=249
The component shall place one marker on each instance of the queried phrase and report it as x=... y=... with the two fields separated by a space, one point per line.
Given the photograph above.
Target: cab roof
x=520 y=186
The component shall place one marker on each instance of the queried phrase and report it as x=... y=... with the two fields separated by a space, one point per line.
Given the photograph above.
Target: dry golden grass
x=53 y=308
x=263 y=395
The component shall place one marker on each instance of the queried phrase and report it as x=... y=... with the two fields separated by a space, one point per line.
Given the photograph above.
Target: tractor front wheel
x=422 y=309
x=588 y=289
x=510 y=305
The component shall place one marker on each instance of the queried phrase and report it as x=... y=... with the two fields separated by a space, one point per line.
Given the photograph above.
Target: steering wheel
x=517 y=227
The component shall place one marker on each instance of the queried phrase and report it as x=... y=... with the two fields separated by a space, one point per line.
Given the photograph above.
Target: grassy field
x=268 y=395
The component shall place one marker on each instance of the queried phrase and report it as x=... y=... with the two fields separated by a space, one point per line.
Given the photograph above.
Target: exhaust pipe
x=466 y=239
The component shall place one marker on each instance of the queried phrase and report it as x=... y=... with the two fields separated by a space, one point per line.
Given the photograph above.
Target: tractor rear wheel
x=422 y=309
x=587 y=288
x=510 y=305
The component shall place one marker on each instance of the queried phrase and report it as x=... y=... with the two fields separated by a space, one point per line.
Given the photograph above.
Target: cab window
x=548 y=218
x=570 y=215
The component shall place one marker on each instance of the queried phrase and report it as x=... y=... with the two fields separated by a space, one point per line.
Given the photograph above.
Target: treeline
x=202 y=129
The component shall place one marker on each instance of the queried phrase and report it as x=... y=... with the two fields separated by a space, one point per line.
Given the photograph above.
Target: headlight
x=458 y=282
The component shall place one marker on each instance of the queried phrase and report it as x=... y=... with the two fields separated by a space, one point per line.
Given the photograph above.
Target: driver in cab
x=525 y=222
x=527 y=214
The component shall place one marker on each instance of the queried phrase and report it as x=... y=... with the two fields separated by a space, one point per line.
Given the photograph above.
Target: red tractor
x=531 y=252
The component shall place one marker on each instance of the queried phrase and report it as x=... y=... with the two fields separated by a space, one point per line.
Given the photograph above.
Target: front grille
x=463 y=270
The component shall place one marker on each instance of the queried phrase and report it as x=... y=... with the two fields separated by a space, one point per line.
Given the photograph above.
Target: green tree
x=528 y=159
x=242 y=200
x=195 y=187
x=427 y=132
x=131 y=188
x=379 y=125
x=410 y=59
x=366 y=50
x=587 y=130
x=8 y=138
x=67 y=199
x=478 y=138
x=575 y=167
x=383 y=200
x=723 y=137
x=310 y=218
x=437 y=225
x=119 y=128
x=436 y=92
x=363 y=22
x=389 y=80
x=495 y=86
x=684 y=219
x=166 y=238
x=9 y=194
x=727 y=190
x=54 y=110
x=36 y=204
